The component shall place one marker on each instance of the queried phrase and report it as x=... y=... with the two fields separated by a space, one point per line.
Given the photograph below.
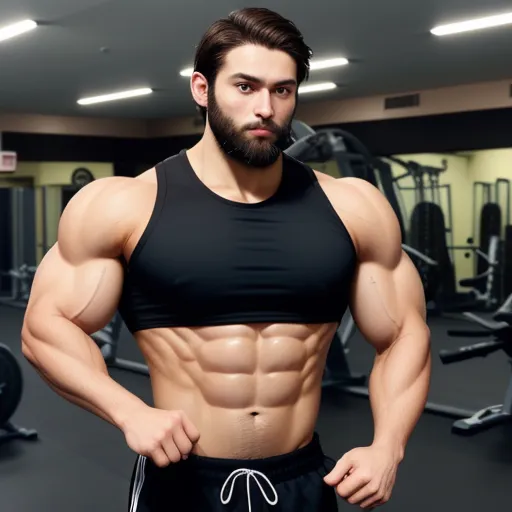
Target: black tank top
x=204 y=260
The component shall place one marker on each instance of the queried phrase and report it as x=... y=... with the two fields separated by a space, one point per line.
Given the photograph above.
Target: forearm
x=80 y=402
x=398 y=388
x=71 y=364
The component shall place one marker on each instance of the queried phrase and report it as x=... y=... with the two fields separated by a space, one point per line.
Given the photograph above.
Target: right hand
x=163 y=436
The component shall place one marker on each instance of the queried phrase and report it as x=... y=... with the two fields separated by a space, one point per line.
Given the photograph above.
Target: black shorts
x=286 y=483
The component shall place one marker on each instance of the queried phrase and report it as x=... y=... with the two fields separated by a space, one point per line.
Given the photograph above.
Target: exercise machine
x=11 y=389
x=337 y=370
x=486 y=289
x=499 y=329
x=333 y=144
x=17 y=243
x=426 y=230
x=491 y=212
x=482 y=288
x=107 y=340
x=21 y=283
x=430 y=232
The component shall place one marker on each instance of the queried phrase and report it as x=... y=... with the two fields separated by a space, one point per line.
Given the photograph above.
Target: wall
x=313 y=110
x=59 y=173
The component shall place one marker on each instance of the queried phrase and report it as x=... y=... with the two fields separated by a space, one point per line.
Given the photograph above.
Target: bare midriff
x=253 y=391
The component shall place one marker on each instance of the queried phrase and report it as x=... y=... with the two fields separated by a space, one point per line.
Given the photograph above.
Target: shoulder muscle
x=374 y=223
x=99 y=219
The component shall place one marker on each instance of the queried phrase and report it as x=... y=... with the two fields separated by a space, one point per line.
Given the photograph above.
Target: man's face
x=252 y=103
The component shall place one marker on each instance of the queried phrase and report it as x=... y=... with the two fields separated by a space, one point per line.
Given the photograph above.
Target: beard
x=255 y=152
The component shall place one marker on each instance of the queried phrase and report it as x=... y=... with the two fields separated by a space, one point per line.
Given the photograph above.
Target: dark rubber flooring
x=82 y=464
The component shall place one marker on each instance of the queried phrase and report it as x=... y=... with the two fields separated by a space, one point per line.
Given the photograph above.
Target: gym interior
x=394 y=98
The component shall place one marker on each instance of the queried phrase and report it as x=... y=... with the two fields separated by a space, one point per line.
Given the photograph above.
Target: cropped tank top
x=204 y=260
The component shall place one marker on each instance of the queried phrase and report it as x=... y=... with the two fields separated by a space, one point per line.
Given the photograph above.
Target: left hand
x=365 y=476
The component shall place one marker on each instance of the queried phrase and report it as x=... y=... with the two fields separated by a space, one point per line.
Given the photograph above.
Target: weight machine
x=491 y=209
x=427 y=188
x=18 y=255
x=500 y=330
x=487 y=288
x=332 y=144
x=432 y=235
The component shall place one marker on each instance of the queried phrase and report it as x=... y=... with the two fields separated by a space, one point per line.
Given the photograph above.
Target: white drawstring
x=250 y=473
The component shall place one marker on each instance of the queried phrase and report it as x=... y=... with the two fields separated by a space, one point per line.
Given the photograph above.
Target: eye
x=244 y=87
x=283 y=91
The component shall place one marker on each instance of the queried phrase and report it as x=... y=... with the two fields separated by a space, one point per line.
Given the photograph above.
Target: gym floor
x=80 y=463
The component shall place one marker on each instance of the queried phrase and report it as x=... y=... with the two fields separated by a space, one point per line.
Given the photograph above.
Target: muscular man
x=232 y=264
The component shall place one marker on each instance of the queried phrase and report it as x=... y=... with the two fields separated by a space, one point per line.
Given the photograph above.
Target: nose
x=263 y=106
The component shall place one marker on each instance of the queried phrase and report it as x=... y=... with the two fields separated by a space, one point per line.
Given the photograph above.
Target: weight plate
x=11 y=384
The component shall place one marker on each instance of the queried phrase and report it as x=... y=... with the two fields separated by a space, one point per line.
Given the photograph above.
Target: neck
x=225 y=175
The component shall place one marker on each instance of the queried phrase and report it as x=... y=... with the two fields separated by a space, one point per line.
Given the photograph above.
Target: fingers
x=365 y=495
x=352 y=487
x=183 y=443
x=190 y=429
x=179 y=438
x=372 y=503
x=171 y=450
x=363 y=492
x=159 y=457
x=342 y=468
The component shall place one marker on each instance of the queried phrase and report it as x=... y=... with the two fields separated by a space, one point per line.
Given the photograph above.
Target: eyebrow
x=256 y=80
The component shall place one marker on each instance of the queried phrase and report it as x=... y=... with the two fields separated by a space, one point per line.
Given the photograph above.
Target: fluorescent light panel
x=328 y=63
x=475 y=24
x=115 y=96
x=16 y=29
x=315 y=65
x=324 y=86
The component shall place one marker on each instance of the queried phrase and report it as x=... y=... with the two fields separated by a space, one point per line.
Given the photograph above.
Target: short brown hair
x=252 y=25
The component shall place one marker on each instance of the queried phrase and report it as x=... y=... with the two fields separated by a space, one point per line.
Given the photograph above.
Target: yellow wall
x=59 y=173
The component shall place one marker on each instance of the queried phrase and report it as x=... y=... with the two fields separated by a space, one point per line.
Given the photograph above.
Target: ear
x=199 y=88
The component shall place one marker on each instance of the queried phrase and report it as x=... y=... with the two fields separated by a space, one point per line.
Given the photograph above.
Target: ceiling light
x=16 y=29
x=115 y=96
x=328 y=63
x=187 y=72
x=470 y=25
x=325 y=86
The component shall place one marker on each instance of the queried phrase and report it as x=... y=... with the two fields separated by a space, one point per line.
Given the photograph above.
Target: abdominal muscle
x=252 y=391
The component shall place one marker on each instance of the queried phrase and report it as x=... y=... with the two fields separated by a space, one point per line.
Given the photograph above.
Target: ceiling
x=387 y=41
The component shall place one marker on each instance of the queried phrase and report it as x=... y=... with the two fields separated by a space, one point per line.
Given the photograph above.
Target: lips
x=262 y=132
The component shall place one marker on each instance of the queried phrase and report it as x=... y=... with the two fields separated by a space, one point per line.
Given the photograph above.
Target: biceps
x=387 y=302
x=86 y=294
